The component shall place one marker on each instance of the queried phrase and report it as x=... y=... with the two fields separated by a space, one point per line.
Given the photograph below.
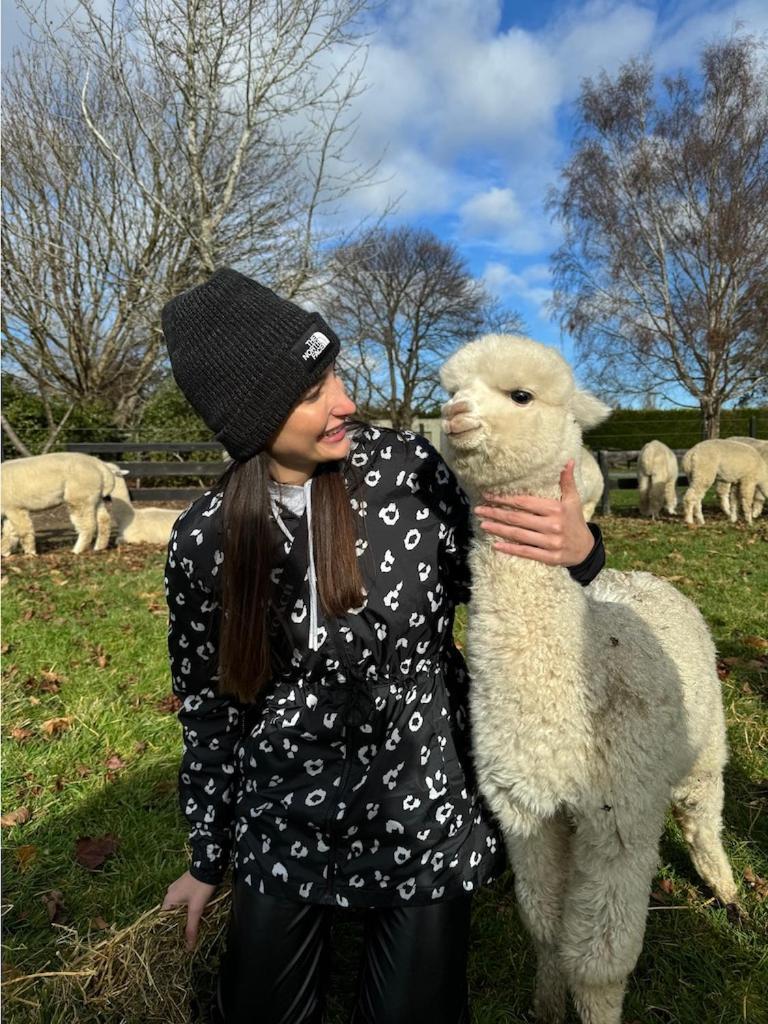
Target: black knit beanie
x=243 y=356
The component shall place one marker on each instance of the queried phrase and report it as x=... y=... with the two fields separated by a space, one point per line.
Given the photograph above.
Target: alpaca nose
x=452 y=408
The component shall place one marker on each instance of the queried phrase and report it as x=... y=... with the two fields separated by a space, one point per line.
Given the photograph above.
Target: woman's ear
x=587 y=410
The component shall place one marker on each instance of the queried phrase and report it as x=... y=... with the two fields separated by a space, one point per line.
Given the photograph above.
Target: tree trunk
x=14 y=438
x=710 y=419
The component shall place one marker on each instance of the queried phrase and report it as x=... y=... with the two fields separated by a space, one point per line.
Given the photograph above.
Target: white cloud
x=532 y=284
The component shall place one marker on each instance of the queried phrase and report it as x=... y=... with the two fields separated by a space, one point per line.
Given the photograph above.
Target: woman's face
x=314 y=432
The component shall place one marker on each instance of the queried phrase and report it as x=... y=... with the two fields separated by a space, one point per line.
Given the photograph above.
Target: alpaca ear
x=588 y=411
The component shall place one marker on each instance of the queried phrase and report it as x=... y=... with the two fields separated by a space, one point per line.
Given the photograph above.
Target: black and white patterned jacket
x=349 y=782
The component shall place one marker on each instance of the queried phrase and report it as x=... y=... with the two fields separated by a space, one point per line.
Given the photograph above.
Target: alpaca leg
x=104 y=526
x=698 y=807
x=657 y=497
x=84 y=521
x=9 y=538
x=747 y=497
x=670 y=497
x=540 y=864
x=643 y=489
x=606 y=905
x=18 y=529
x=692 y=505
x=723 y=489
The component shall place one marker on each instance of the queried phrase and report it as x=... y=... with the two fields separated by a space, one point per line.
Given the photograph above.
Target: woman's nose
x=343 y=404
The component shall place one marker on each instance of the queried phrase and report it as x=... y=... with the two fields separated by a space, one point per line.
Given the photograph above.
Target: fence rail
x=138 y=469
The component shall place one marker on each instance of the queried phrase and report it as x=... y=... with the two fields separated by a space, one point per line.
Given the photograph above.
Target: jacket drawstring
x=312 y=574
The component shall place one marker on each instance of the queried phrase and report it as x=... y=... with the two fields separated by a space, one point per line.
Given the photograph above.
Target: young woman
x=311 y=596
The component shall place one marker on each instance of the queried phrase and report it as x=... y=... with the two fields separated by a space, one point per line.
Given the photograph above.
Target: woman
x=311 y=599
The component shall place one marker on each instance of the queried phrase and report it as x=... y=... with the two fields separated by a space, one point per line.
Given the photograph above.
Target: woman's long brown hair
x=244 y=653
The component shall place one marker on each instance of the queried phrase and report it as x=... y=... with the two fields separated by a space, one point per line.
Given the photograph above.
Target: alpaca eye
x=521 y=397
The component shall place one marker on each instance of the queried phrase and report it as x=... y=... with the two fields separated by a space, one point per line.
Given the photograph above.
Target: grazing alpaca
x=592 y=708
x=32 y=484
x=657 y=479
x=726 y=461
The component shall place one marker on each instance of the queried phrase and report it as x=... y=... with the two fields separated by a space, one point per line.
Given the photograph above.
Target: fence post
x=753 y=426
x=605 y=501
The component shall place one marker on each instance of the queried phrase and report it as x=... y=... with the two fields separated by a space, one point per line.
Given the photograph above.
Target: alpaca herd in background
x=96 y=495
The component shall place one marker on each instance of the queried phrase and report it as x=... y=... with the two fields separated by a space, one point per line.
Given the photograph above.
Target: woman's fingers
x=194 y=913
x=517 y=535
x=524 y=520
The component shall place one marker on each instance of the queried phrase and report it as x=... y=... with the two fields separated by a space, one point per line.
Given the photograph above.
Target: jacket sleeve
x=211 y=723
x=587 y=570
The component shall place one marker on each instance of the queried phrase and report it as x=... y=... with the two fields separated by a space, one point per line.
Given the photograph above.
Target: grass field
x=91 y=745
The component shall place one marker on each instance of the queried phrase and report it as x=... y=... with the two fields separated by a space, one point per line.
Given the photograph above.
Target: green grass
x=95 y=625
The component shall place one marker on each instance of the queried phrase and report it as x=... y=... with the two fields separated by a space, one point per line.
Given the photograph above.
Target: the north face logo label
x=314 y=345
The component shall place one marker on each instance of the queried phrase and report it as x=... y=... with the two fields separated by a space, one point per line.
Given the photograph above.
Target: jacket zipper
x=333 y=824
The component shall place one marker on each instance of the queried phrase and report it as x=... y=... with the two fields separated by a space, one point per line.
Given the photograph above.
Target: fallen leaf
x=171 y=703
x=54 y=726
x=140 y=746
x=92 y=851
x=28 y=614
x=17 y=817
x=758 y=642
x=4 y=648
x=115 y=762
x=54 y=905
x=83 y=770
x=665 y=884
x=20 y=733
x=659 y=896
x=723 y=671
x=34 y=700
x=99 y=923
x=25 y=855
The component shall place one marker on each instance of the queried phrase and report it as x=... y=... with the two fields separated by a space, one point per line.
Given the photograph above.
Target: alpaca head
x=515 y=415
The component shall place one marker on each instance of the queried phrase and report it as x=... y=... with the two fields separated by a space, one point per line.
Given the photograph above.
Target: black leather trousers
x=276 y=959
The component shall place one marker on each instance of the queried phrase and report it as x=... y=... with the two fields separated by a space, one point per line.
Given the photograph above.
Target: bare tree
x=149 y=144
x=83 y=260
x=402 y=301
x=663 y=273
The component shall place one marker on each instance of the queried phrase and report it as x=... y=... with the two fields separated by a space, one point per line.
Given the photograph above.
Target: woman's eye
x=521 y=397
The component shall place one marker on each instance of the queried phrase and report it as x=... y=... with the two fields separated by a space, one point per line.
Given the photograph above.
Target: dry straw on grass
x=138 y=975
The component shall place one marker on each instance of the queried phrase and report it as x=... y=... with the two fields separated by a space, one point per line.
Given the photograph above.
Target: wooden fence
x=114 y=451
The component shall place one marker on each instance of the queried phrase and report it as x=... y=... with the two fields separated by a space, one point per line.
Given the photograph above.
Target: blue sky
x=471 y=101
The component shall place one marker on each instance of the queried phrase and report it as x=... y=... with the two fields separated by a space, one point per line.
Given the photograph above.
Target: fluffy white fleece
x=592 y=708
x=656 y=479
x=592 y=483
x=39 y=482
x=727 y=462
x=140 y=525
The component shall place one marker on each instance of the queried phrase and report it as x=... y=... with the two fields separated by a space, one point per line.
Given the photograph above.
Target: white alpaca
x=593 y=483
x=728 y=461
x=39 y=482
x=723 y=487
x=657 y=479
x=592 y=708
x=143 y=525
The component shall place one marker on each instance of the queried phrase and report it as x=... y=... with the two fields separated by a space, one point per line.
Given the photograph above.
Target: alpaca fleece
x=592 y=709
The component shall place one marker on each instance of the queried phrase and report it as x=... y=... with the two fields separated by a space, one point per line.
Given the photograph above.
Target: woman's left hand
x=545 y=529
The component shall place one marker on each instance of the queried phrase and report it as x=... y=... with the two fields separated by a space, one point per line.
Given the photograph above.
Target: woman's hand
x=195 y=895
x=545 y=529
